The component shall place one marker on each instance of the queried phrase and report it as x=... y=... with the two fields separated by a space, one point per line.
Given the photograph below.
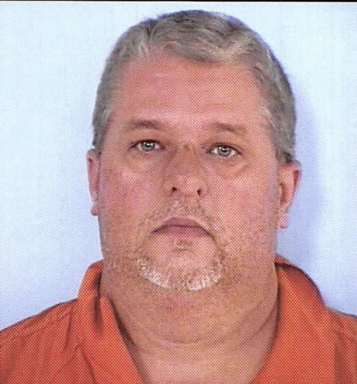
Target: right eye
x=147 y=146
x=223 y=150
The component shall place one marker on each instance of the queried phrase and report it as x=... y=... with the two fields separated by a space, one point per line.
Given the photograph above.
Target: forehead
x=187 y=92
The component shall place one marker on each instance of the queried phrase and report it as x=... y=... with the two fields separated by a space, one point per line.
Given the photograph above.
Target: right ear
x=93 y=179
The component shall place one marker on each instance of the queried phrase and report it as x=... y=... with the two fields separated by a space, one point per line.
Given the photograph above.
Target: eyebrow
x=136 y=124
x=238 y=129
x=215 y=126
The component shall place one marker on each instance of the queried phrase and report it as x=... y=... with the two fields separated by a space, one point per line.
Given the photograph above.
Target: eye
x=223 y=150
x=147 y=146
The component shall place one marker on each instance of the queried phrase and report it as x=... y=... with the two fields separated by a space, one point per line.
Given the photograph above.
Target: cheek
x=249 y=217
x=124 y=199
x=124 y=193
x=248 y=206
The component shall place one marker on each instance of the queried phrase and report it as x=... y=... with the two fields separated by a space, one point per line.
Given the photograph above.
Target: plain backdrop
x=51 y=58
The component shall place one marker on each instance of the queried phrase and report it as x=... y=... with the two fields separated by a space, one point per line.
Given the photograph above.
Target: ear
x=93 y=179
x=289 y=180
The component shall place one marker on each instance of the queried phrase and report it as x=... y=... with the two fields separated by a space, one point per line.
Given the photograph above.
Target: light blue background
x=51 y=58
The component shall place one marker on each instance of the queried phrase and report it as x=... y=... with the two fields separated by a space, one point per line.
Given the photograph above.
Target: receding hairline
x=141 y=120
x=209 y=38
x=161 y=54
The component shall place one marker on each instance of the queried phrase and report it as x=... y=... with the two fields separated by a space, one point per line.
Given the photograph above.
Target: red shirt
x=79 y=341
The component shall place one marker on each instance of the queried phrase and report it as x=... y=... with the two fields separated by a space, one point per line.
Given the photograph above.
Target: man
x=192 y=173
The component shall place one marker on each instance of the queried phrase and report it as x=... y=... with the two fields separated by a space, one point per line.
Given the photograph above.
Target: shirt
x=79 y=341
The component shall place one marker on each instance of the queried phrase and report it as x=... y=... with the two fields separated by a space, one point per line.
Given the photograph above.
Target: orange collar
x=301 y=351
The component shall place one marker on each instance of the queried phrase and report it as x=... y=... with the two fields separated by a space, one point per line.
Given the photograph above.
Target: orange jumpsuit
x=79 y=341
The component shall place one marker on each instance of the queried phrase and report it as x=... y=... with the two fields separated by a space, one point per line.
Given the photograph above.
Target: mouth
x=182 y=227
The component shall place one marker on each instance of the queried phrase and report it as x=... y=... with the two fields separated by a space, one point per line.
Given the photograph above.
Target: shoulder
x=344 y=342
x=302 y=289
x=329 y=329
x=38 y=323
x=344 y=326
x=46 y=340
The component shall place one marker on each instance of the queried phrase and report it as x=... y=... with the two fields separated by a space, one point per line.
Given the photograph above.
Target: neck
x=197 y=337
x=231 y=359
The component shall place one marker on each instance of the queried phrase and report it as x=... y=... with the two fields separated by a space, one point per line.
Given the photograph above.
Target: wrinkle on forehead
x=182 y=91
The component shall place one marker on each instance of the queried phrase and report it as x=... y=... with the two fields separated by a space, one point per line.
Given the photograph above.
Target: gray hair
x=208 y=38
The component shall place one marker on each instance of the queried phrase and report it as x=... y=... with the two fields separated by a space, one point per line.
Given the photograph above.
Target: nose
x=184 y=174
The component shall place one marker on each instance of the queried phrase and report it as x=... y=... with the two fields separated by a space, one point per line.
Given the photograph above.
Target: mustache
x=189 y=209
x=181 y=207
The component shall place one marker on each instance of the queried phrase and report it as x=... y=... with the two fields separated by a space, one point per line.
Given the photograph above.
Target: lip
x=177 y=226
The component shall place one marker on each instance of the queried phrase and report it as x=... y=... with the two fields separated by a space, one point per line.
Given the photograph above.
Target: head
x=193 y=168
x=208 y=38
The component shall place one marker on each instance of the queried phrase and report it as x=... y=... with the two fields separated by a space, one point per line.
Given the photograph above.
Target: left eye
x=147 y=145
x=223 y=150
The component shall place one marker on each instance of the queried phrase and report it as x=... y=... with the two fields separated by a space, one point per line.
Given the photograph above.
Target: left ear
x=93 y=163
x=289 y=180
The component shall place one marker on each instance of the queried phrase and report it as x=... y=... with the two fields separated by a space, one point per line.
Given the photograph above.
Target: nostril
x=174 y=189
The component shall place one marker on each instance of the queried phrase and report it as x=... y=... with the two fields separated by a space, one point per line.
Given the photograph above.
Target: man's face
x=188 y=190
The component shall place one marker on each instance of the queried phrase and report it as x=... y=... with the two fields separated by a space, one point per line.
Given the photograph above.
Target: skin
x=190 y=140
